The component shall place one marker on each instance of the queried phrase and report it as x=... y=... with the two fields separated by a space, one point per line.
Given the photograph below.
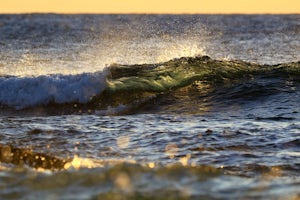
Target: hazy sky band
x=151 y=6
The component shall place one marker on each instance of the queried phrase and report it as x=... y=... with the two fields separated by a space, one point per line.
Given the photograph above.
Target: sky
x=151 y=6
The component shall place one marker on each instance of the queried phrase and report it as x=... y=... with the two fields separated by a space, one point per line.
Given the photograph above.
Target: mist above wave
x=37 y=44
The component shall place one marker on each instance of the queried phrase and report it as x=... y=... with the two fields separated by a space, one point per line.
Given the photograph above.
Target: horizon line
x=151 y=13
x=151 y=6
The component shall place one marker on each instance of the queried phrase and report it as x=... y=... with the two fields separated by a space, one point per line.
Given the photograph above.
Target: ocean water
x=149 y=106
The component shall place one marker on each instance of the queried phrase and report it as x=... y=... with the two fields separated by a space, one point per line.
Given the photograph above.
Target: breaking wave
x=129 y=86
x=24 y=92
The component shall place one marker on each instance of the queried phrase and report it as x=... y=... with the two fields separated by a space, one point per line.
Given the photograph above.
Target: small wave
x=131 y=86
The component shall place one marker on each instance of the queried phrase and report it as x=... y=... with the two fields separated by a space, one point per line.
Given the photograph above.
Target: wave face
x=133 y=86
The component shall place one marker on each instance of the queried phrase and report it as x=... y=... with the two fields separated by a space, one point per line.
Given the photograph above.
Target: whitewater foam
x=23 y=92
